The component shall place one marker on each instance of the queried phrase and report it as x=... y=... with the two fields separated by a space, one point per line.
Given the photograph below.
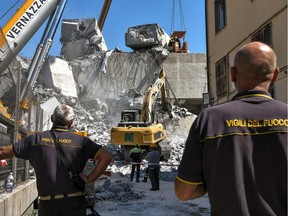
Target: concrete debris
x=116 y=189
x=104 y=64
x=48 y=108
x=96 y=117
x=93 y=117
x=81 y=37
x=136 y=71
x=57 y=74
x=9 y=78
x=99 y=84
x=146 y=37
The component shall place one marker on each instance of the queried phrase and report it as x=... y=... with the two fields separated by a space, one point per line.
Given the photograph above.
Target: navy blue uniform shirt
x=239 y=151
x=40 y=150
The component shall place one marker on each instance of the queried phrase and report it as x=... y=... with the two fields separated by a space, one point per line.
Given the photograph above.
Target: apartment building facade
x=231 y=24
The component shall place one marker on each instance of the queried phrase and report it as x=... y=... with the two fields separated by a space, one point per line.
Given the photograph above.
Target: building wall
x=187 y=76
x=243 y=19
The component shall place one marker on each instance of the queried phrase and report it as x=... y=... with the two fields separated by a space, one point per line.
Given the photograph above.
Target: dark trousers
x=145 y=175
x=153 y=172
x=137 y=166
x=71 y=206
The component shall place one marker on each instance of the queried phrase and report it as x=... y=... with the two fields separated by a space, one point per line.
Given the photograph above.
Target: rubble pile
x=96 y=117
x=8 y=79
x=81 y=37
x=146 y=36
x=116 y=189
x=101 y=76
x=91 y=116
x=103 y=88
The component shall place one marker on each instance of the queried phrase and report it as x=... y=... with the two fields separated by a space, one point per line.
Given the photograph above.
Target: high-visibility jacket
x=135 y=154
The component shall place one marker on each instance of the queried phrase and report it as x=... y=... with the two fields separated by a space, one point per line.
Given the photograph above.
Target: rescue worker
x=237 y=151
x=58 y=193
x=153 y=158
x=136 y=156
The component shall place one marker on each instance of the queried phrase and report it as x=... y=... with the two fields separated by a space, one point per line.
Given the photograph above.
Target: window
x=222 y=69
x=220 y=14
x=264 y=35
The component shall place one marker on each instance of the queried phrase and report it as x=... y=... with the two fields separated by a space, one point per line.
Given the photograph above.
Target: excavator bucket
x=178 y=34
x=175 y=43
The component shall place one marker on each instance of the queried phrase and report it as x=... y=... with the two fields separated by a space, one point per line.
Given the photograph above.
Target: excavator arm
x=151 y=95
x=103 y=13
x=143 y=130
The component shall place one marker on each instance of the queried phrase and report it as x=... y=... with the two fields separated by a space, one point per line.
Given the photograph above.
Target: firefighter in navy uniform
x=237 y=151
x=136 y=156
x=58 y=194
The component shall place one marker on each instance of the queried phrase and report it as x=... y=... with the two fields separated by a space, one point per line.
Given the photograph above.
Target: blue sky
x=122 y=15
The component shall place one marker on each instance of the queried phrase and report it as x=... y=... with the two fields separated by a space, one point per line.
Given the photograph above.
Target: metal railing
x=11 y=132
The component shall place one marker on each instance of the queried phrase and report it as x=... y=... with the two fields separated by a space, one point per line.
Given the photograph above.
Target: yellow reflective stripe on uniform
x=136 y=150
x=242 y=134
x=255 y=95
x=97 y=153
x=59 y=129
x=187 y=182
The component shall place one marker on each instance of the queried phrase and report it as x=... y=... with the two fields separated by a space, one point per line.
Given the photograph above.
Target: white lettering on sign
x=27 y=16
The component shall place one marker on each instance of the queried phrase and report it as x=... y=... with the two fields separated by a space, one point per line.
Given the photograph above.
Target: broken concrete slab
x=48 y=109
x=146 y=36
x=81 y=37
x=57 y=74
x=122 y=71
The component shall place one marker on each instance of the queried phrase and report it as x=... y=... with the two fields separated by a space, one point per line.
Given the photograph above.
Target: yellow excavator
x=139 y=126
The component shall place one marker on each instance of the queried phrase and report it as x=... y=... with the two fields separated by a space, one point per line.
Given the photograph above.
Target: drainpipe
x=207 y=52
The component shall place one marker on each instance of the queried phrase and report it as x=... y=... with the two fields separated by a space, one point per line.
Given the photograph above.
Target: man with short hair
x=59 y=195
x=237 y=151
x=153 y=158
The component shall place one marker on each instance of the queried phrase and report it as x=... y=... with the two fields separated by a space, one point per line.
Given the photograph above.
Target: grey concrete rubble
x=56 y=70
x=99 y=84
x=95 y=117
x=146 y=36
x=116 y=189
x=81 y=37
x=8 y=79
x=136 y=71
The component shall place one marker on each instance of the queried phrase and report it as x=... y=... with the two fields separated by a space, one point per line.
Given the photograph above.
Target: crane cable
x=182 y=22
x=9 y=9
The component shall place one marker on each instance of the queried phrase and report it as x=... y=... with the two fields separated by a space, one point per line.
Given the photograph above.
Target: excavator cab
x=177 y=42
x=131 y=115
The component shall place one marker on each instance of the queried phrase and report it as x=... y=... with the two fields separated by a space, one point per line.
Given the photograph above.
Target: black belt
x=61 y=196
